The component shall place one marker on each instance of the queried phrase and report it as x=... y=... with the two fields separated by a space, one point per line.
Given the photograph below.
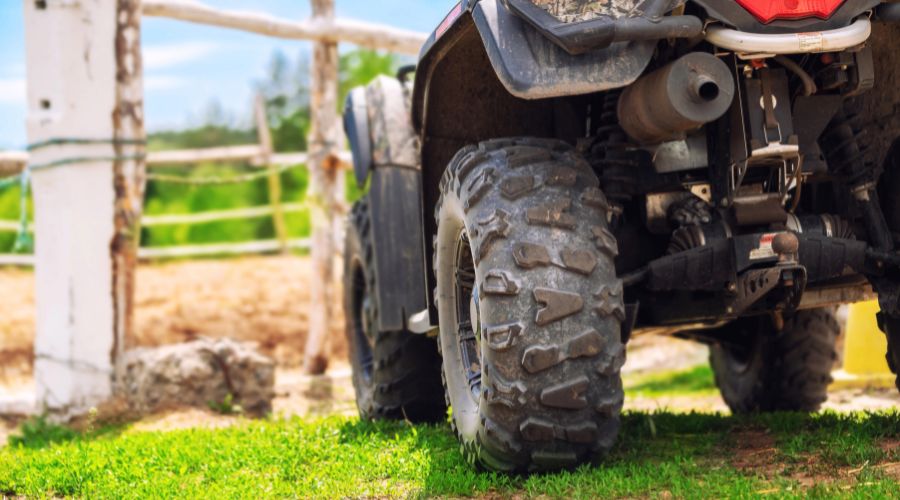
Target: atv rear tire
x=396 y=375
x=785 y=371
x=530 y=307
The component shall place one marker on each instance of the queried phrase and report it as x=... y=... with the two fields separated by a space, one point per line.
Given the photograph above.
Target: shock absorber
x=609 y=154
x=849 y=158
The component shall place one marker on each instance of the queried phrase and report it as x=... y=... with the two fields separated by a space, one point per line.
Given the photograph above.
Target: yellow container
x=865 y=347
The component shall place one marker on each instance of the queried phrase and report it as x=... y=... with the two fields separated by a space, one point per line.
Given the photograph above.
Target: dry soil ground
x=260 y=299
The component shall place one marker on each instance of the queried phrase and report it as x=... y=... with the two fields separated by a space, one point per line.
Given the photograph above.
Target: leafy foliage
x=360 y=67
x=226 y=407
x=209 y=135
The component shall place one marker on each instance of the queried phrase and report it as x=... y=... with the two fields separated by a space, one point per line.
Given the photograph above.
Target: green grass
x=694 y=381
x=688 y=456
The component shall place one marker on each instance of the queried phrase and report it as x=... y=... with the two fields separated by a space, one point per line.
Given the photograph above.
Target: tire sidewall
x=354 y=261
x=451 y=222
x=742 y=378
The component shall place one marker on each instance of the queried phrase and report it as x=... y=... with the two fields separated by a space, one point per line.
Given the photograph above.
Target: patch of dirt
x=891 y=470
x=890 y=446
x=7 y=428
x=300 y=394
x=653 y=353
x=187 y=418
x=891 y=449
x=844 y=400
x=678 y=404
x=259 y=299
x=873 y=399
x=754 y=450
x=16 y=325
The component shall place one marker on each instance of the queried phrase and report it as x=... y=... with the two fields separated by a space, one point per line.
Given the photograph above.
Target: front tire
x=396 y=375
x=777 y=371
x=530 y=307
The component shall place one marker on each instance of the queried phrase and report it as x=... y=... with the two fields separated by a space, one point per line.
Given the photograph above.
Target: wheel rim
x=742 y=355
x=740 y=358
x=468 y=329
x=363 y=323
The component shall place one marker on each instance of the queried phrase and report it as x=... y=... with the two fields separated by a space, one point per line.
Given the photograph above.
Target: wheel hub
x=468 y=328
x=368 y=317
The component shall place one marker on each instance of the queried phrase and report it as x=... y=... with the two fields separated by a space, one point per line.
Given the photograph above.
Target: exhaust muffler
x=683 y=95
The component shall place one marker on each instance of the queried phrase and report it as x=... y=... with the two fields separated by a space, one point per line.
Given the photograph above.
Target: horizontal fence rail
x=248 y=153
x=13 y=163
x=249 y=247
x=10 y=225
x=217 y=216
x=360 y=33
x=17 y=260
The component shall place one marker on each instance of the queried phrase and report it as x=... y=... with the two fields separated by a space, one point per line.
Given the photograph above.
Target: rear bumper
x=755 y=44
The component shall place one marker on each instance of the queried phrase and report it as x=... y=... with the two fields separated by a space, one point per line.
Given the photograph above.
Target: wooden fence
x=87 y=166
x=12 y=163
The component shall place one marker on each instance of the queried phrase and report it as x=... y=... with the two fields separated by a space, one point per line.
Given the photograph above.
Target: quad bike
x=563 y=175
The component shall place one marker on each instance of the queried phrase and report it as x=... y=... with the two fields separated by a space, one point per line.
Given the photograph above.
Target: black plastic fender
x=529 y=64
x=386 y=154
x=396 y=210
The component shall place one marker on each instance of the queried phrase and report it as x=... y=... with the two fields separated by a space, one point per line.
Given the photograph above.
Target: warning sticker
x=765 y=250
x=448 y=21
x=812 y=42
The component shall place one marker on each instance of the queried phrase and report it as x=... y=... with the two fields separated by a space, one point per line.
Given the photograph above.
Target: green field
x=658 y=455
x=696 y=381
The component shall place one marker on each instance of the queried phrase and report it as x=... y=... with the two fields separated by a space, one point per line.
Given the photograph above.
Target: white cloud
x=12 y=90
x=166 y=56
x=163 y=82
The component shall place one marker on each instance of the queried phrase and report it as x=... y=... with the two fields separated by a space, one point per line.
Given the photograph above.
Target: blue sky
x=187 y=66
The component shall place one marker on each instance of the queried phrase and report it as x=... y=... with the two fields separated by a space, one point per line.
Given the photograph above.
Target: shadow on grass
x=686 y=455
x=664 y=452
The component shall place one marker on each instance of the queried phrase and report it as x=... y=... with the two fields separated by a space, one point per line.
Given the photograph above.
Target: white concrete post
x=84 y=81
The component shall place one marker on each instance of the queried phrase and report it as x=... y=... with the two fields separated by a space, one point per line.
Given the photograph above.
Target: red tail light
x=770 y=10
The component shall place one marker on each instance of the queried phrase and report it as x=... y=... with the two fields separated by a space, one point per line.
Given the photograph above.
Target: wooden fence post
x=265 y=144
x=325 y=191
x=84 y=82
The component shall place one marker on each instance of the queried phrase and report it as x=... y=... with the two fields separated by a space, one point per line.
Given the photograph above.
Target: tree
x=361 y=66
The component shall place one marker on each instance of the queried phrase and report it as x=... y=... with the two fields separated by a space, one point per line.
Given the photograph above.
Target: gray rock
x=222 y=374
